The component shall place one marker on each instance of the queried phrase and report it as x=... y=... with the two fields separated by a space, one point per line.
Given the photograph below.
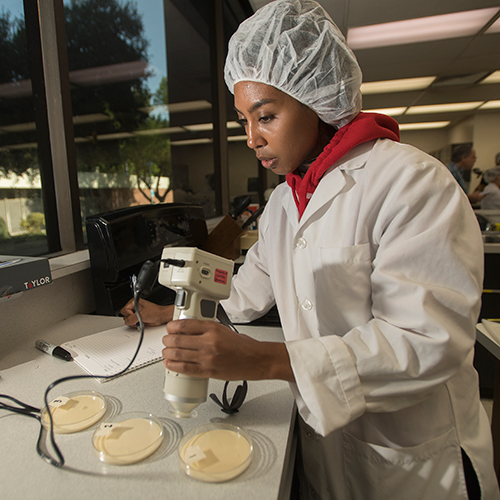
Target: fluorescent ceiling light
x=443 y=108
x=99 y=75
x=191 y=142
x=27 y=145
x=494 y=28
x=117 y=135
x=203 y=127
x=199 y=127
x=91 y=118
x=111 y=73
x=177 y=107
x=388 y=111
x=237 y=138
x=21 y=88
x=422 y=29
x=423 y=125
x=403 y=85
x=491 y=105
x=159 y=131
x=77 y=120
x=19 y=127
x=493 y=78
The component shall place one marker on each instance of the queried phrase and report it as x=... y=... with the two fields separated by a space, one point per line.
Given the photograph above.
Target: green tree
x=100 y=34
x=148 y=156
x=34 y=223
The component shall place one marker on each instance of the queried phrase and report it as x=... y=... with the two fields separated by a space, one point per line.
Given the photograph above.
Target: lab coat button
x=301 y=243
x=307 y=305
x=310 y=435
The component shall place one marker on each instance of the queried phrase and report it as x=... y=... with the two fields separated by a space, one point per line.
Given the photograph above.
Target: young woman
x=372 y=254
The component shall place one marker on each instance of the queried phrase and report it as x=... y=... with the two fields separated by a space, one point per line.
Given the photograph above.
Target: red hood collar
x=365 y=127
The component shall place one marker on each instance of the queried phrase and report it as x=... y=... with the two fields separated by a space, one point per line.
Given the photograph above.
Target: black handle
x=239 y=209
x=253 y=217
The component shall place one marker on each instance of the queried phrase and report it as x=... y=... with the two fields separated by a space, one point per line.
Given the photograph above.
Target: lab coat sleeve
x=251 y=290
x=426 y=278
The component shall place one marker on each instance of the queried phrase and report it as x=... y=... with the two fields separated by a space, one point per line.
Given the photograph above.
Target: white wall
x=426 y=140
x=463 y=132
x=483 y=130
x=37 y=310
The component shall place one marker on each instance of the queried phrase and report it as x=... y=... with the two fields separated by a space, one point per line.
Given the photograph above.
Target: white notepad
x=109 y=352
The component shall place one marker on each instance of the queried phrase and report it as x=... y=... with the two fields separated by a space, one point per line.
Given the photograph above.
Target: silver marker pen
x=53 y=350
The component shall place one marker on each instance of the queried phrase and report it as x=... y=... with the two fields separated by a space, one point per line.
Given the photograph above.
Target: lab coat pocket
x=343 y=284
x=430 y=471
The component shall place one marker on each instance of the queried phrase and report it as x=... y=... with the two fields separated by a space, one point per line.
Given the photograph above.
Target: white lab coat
x=378 y=289
x=491 y=201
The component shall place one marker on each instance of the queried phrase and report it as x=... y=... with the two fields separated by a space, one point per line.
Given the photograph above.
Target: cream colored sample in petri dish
x=215 y=453
x=75 y=411
x=127 y=439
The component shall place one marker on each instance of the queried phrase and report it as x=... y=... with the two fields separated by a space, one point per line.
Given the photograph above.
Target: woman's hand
x=151 y=314
x=209 y=349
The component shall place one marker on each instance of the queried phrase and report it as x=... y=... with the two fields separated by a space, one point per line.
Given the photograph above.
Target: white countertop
x=485 y=338
x=491 y=247
x=267 y=415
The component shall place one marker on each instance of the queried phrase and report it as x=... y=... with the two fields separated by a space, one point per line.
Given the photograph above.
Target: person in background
x=370 y=252
x=463 y=158
x=491 y=200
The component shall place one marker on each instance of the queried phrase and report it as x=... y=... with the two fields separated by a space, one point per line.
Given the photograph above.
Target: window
x=119 y=93
x=22 y=218
x=131 y=109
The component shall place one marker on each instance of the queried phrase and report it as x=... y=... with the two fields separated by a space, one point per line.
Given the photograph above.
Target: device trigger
x=180 y=299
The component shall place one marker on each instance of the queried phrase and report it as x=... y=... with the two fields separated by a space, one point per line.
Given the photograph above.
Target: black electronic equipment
x=122 y=240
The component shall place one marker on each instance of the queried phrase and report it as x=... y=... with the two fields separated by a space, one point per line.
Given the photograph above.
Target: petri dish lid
x=215 y=452
x=75 y=411
x=128 y=438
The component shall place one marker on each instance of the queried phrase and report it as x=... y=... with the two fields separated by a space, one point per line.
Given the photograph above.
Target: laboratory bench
x=492 y=346
x=267 y=415
x=490 y=309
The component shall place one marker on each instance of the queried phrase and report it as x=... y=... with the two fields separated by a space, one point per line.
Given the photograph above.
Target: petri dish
x=75 y=411
x=128 y=438
x=215 y=453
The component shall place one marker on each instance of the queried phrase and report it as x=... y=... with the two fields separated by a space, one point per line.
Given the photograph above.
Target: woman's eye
x=266 y=119
x=242 y=122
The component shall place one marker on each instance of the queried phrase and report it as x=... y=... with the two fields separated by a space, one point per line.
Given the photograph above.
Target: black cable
x=231 y=406
x=31 y=411
x=137 y=290
x=23 y=408
x=240 y=393
x=174 y=262
x=138 y=287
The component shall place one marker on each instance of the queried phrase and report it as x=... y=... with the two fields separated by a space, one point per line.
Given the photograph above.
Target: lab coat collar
x=363 y=128
x=335 y=181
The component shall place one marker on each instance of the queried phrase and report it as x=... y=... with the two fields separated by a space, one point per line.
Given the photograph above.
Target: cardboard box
x=18 y=274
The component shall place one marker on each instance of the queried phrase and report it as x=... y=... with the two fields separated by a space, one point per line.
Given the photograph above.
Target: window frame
x=45 y=26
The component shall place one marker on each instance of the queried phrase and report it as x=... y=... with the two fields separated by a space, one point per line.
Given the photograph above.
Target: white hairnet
x=294 y=46
x=491 y=174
